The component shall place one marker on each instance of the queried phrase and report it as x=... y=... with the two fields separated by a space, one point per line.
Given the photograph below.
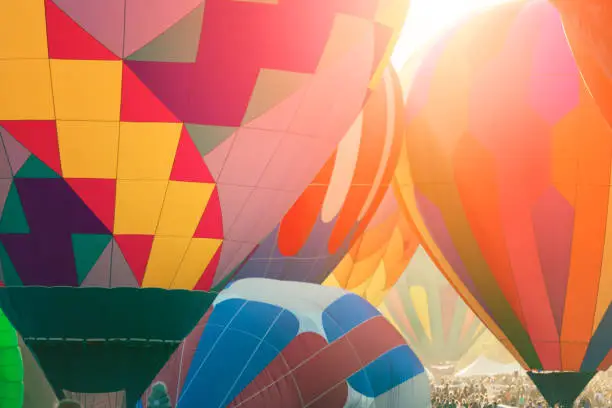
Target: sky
x=428 y=18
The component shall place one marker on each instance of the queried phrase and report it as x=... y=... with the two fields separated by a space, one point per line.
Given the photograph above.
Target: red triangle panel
x=99 y=195
x=136 y=250
x=139 y=104
x=68 y=40
x=39 y=137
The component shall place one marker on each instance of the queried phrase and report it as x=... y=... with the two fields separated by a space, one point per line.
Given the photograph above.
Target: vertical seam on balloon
x=210 y=350
x=570 y=265
x=601 y=264
x=161 y=211
x=246 y=364
x=287 y=133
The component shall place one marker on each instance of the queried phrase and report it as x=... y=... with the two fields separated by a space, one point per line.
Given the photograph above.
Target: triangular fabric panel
x=179 y=43
x=100 y=274
x=188 y=163
x=136 y=250
x=5 y=187
x=206 y=138
x=17 y=154
x=273 y=87
x=39 y=137
x=5 y=167
x=99 y=196
x=34 y=168
x=67 y=40
x=9 y=273
x=121 y=273
x=206 y=279
x=13 y=219
x=211 y=223
x=146 y=20
x=87 y=249
x=104 y=20
x=561 y=388
x=139 y=104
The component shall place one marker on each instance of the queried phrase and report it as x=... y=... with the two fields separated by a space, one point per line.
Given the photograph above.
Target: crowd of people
x=510 y=391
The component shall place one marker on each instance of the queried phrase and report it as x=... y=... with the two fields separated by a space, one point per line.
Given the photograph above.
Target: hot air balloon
x=587 y=27
x=336 y=207
x=270 y=343
x=506 y=176
x=11 y=366
x=438 y=325
x=147 y=147
x=379 y=256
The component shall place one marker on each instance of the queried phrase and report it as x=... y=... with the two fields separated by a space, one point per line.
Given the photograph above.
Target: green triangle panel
x=13 y=219
x=177 y=44
x=206 y=137
x=34 y=168
x=87 y=249
x=561 y=388
x=9 y=274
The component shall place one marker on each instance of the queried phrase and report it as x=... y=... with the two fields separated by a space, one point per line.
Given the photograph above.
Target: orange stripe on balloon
x=297 y=224
x=585 y=268
x=476 y=179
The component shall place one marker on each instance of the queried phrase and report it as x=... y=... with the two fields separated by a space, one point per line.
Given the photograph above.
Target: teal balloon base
x=561 y=388
x=100 y=340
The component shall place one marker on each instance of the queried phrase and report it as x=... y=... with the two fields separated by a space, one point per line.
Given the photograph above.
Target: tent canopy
x=483 y=366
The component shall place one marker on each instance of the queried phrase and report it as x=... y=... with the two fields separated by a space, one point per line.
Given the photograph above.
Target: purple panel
x=553 y=224
x=54 y=212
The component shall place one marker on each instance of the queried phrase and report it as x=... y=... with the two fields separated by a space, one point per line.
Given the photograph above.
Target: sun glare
x=428 y=18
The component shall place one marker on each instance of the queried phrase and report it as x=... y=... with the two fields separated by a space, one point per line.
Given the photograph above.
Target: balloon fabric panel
x=378 y=257
x=510 y=192
x=124 y=148
x=586 y=24
x=337 y=206
x=431 y=316
x=290 y=344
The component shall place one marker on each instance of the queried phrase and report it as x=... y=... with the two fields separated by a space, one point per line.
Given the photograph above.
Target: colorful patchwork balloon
x=506 y=176
x=379 y=257
x=269 y=343
x=154 y=144
x=437 y=324
x=336 y=207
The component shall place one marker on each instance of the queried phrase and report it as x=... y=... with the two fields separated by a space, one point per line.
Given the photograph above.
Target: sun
x=428 y=18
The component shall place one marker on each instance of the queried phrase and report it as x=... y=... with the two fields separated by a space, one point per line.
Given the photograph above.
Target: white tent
x=484 y=366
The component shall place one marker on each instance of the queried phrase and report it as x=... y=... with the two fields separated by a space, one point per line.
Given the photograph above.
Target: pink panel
x=233 y=199
x=303 y=155
x=322 y=113
x=249 y=156
x=215 y=160
x=555 y=81
x=147 y=19
x=553 y=223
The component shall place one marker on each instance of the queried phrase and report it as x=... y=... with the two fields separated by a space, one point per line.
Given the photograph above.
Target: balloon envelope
x=587 y=27
x=291 y=344
x=377 y=259
x=437 y=324
x=507 y=178
x=339 y=203
x=11 y=366
x=153 y=145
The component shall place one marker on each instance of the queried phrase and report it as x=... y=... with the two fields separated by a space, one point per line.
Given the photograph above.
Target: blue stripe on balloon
x=600 y=344
x=389 y=370
x=345 y=314
x=240 y=339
